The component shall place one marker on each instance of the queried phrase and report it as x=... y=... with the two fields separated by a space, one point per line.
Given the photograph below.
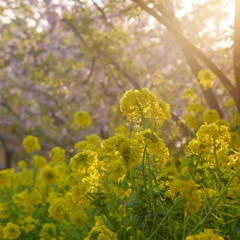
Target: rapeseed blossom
x=205 y=78
x=130 y=186
x=82 y=160
x=28 y=223
x=82 y=119
x=22 y=164
x=207 y=234
x=31 y=144
x=189 y=93
x=93 y=139
x=210 y=116
x=122 y=130
x=11 y=231
x=57 y=154
x=187 y=189
x=5 y=177
x=79 y=218
x=100 y=233
x=48 y=175
x=48 y=231
x=141 y=106
x=57 y=208
x=39 y=161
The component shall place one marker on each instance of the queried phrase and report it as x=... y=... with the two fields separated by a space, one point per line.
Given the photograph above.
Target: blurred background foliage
x=60 y=57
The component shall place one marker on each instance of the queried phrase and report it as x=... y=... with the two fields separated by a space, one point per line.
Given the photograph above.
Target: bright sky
x=186 y=4
x=226 y=22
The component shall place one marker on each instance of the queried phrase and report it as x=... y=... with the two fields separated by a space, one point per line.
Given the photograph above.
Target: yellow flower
x=48 y=175
x=194 y=201
x=116 y=169
x=82 y=119
x=230 y=103
x=93 y=139
x=205 y=78
x=78 y=191
x=102 y=236
x=116 y=145
x=80 y=146
x=141 y=106
x=11 y=231
x=235 y=139
x=210 y=116
x=191 y=121
x=48 y=231
x=101 y=232
x=57 y=154
x=165 y=109
x=194 y=147
x=122 y=130
x=32 y=198
x=28 y=223
x=1 y=231
x=22 y=164
x=79 y=218
x=207 y=234
x=82 y=160
x=31 y=144
x=57 y=208
x=39 y=161
x=233 y=189
x=188 y=190
x=194 y=108
x=3 y=213
x=189 y=93
x=90 y=143
x=5 y=177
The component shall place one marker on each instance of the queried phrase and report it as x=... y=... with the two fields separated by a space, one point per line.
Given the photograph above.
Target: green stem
x=160 y=224
x=214 y=205
x=144 y=180
x=109 y=219
x=184 y=226
x=217 y=163
x=142 y=116
x=150 y=182
x=195 y=167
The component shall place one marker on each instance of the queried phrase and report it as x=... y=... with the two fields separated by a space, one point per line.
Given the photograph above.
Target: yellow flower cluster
x=211 y=140
x=39 y=161
x=31 y=144
x=142 y=106
x=57 y=154
x=101 y=233
x=206 y=235
x=130 y=186
x=205 y=78
x=210 y=116
x=82 y=119
x=5 y=177
x=194 y=112
x=90 y=143
x=11 y=231
x=189 y=93
x=48 y=175
x=187 y=189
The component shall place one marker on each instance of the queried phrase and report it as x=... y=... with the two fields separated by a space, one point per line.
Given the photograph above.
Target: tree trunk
x=8 y=158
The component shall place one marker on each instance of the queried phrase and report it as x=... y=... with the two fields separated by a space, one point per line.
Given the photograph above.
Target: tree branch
x=91 y=70
x=115 y=64
x=181 y=38
x=193 y=63
x=236 y=48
